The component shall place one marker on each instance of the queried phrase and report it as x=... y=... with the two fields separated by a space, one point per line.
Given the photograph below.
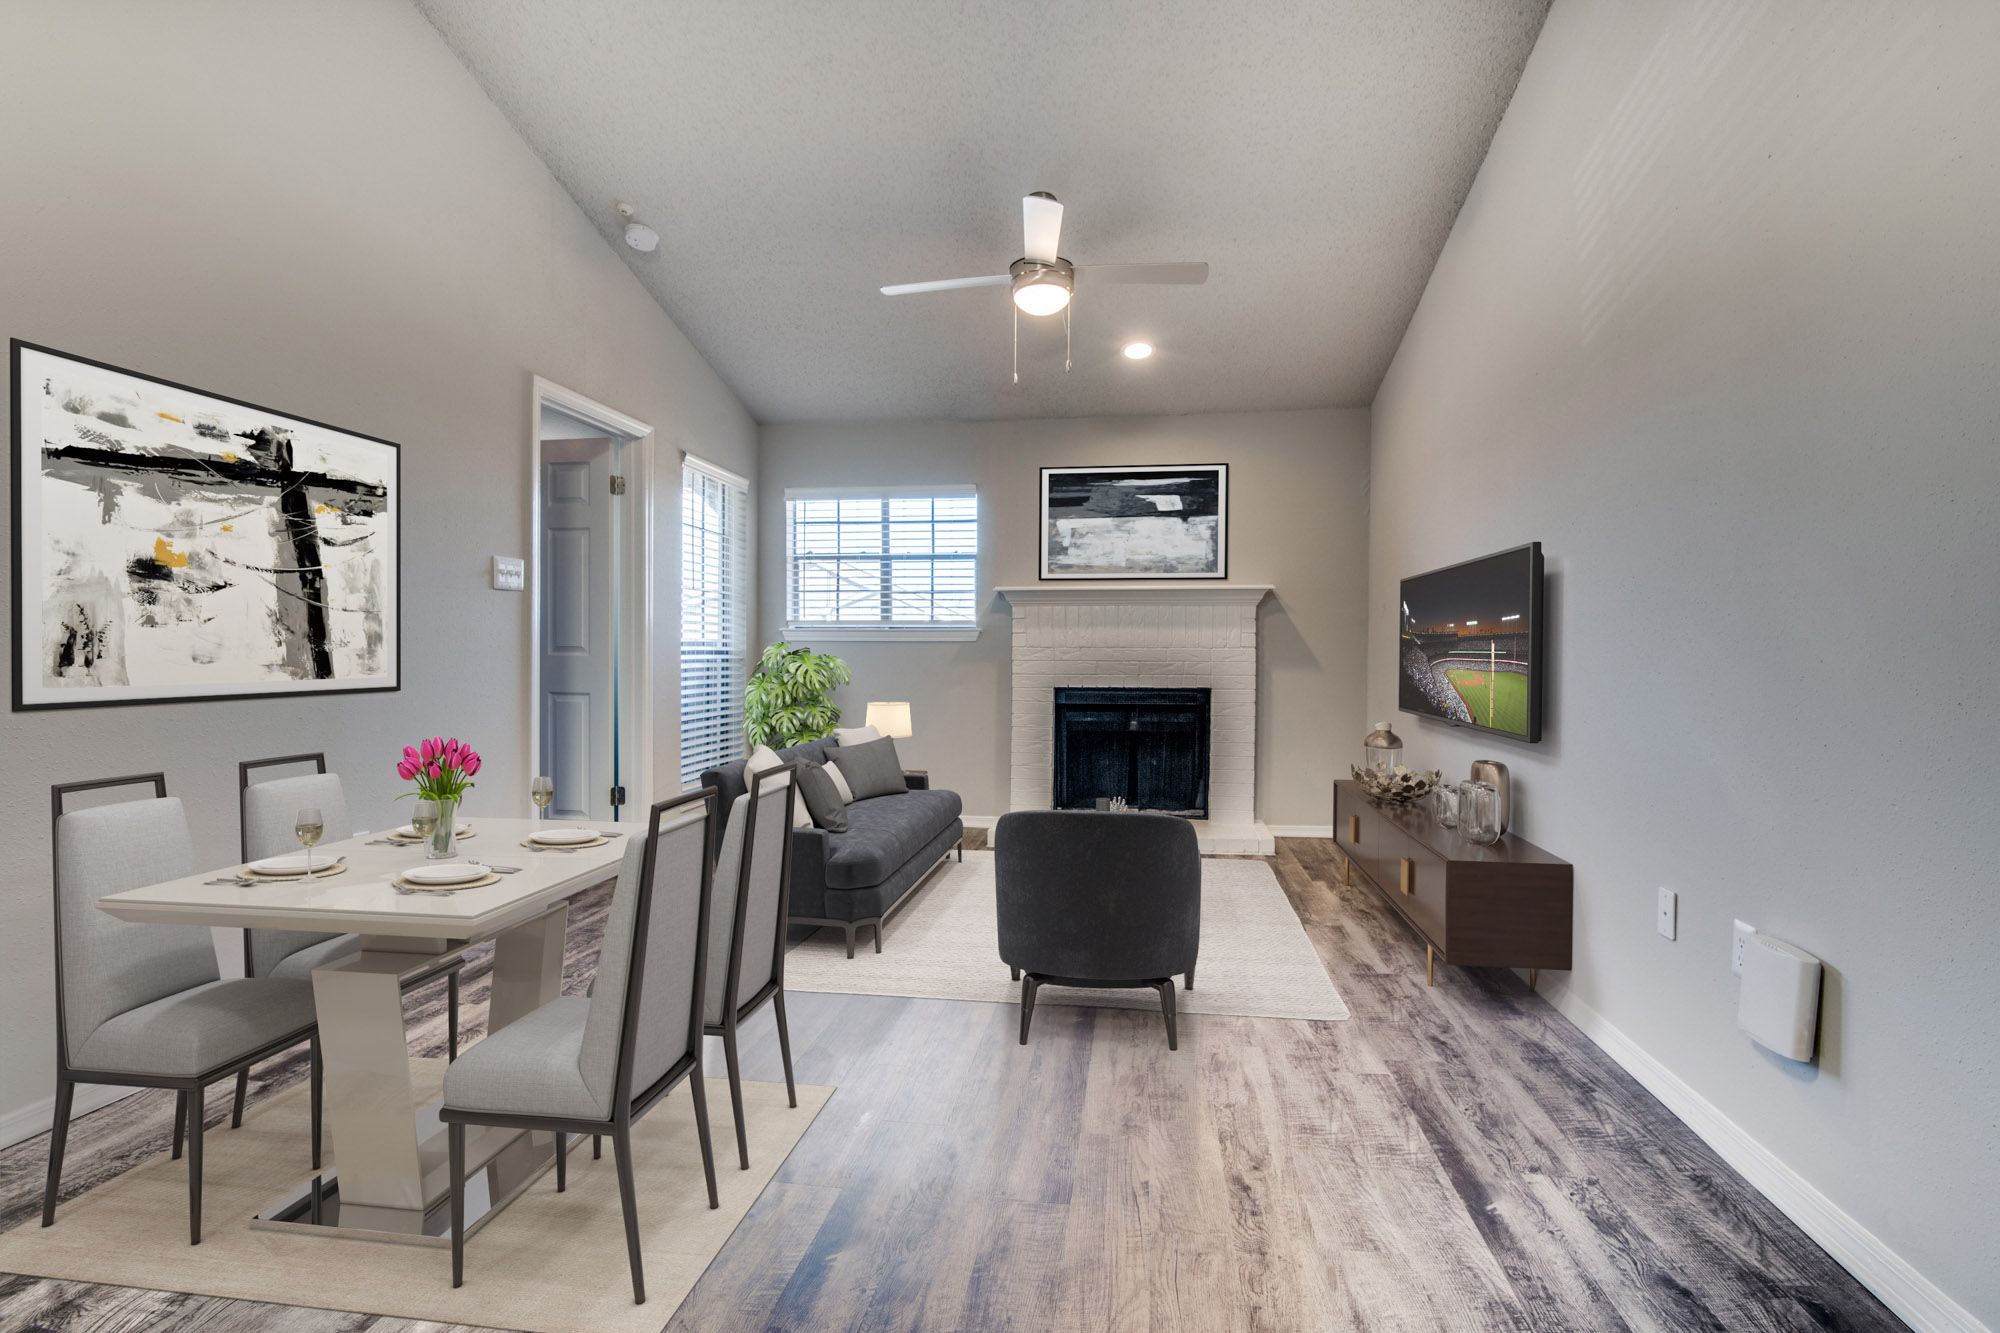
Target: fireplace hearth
x=1148 y=746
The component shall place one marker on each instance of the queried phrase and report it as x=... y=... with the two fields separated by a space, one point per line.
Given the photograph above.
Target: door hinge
x=617 y=796
x=617 y=485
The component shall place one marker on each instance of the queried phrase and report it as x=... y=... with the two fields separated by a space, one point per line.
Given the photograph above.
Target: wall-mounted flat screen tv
x=1471 y=644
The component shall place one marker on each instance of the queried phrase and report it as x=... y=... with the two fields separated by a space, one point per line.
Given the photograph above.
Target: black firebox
x=1148 y=746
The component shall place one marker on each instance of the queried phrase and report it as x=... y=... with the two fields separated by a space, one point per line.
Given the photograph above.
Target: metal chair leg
x=1016 y=971
x=242 y=1095
x=596 y=1147
x=735 y=1089
x=58 y=1140
x=1166 y=989
x=628 y=1195
x=701 y=1132
x=785 y=1045
x=451 y=1013
x=318 y=1067
x=562 y=1160
x=180 y=1122
x=1028 y=984
x=197 y=1108
x=1190 y=978
x=455 y=1137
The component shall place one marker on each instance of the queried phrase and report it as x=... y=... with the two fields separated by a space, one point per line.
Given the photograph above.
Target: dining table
x=389 y=1177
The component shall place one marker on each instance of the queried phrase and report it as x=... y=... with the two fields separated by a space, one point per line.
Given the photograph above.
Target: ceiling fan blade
x=1041 y=227
x=1188 y=274
x=948 y=284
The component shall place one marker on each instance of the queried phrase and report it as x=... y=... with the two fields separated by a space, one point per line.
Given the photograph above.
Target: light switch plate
x=1742 y=933
x=1669 y=902
x=509 y=574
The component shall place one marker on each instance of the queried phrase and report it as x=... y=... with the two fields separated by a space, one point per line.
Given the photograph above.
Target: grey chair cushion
x=530 y=1067
x=270 y=816
x=822 y=797
x=197 y=1030
x=299 y=965
x=111 y=966
x=760 y=915
x=883 y=833
x=872 y=769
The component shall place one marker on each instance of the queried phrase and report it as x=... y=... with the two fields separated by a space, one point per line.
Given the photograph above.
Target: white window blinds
x=715 y=553
x=884 y=558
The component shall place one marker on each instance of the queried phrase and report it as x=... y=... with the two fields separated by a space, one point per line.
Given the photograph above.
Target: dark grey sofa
x=860 y=877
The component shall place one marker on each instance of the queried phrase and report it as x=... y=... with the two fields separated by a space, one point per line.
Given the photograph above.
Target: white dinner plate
x=286 y=865
x=457 y=872
x=410 y=831
x=564 y=836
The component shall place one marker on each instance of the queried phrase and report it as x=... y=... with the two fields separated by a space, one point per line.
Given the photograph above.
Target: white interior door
x=579 y=641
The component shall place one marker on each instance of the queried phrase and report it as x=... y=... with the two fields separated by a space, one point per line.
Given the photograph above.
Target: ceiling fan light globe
x=1041 y=298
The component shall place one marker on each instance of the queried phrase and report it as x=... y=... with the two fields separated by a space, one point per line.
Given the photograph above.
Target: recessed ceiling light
x=1138 y=351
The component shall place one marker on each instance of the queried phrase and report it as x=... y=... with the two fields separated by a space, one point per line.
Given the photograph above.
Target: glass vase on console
x=1382 y=751
x=1478 y=812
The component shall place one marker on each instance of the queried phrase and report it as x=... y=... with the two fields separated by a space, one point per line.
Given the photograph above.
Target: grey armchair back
x=1088 y=898
x=270 y=813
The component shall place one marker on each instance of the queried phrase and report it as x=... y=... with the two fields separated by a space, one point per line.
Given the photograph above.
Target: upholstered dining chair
x=1100 y=900
x=594 y=1064
x=142 y=1005
x=268 y=812
x=746 y=942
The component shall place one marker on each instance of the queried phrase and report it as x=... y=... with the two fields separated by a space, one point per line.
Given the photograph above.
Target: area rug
x=1255 y=958
x=550 y=1263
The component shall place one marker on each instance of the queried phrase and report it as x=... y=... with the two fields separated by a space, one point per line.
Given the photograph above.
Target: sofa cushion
x=817 y=795
x=871 y=769
x=884 y=832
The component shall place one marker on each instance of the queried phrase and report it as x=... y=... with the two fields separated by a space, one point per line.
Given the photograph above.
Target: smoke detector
x=637 y=234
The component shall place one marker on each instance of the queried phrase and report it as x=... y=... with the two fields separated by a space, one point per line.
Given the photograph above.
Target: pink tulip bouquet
x=442 y=769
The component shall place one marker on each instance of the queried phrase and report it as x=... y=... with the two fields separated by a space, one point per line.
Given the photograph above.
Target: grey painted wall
x=313 y=206
x=1718 y=326
x=1298 y=485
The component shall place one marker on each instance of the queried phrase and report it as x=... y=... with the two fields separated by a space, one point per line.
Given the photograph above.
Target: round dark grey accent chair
x=1089 y=898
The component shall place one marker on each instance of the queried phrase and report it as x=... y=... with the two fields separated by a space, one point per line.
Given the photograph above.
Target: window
x=715 y=516
x=891 y=561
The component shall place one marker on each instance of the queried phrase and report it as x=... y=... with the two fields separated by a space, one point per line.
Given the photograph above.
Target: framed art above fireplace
x=1150 y=522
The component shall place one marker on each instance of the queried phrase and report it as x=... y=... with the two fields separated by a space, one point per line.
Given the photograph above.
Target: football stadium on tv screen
x=1469 y=643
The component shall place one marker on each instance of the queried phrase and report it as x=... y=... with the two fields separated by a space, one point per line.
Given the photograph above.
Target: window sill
x=883 y=633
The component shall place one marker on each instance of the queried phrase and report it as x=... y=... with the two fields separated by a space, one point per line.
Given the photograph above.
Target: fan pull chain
x=1017 y=342
x=1065 y=340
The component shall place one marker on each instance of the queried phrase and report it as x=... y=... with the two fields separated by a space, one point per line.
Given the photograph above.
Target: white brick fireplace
x=1164 y=636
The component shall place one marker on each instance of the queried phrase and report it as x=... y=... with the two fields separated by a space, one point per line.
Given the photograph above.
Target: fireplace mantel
x=1101 y=594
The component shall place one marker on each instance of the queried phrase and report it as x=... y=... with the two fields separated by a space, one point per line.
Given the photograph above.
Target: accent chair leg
x=562 y=1160
x=455 y=1135
x=701 y=1132
x=1016 y=971
x=180 y=1122
x=785 y=1044
x=318 y=1078
x=1028 y=984
x=242 y=1095
x=1190 y=978
x=58 y=1140
x=735 y=1088
x=850 y=939
x=1167 y=1007
x=596 y=1147
x=197 y=1108
x=451 y=1013
x=628 y=1195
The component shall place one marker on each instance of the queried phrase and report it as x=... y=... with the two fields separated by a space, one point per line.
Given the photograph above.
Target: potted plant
x=786 y=702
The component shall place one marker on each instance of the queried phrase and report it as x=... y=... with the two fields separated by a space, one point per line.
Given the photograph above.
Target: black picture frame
x=18 y=498
x=1127 y=474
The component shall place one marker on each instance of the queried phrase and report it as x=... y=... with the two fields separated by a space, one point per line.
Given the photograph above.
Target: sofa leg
x=850 y=939
x=878 y=934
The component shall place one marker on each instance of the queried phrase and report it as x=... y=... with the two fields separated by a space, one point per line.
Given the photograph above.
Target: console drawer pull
x=1354 y=829
x=1409 y=875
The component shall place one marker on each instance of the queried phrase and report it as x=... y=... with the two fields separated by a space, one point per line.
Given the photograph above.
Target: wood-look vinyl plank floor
x=1454 y=1157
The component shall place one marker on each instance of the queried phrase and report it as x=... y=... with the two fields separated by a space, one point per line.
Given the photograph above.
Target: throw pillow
x=833 y=775
x=872 y=769
x=855 y=735
x=762 y=758
x=817 y=796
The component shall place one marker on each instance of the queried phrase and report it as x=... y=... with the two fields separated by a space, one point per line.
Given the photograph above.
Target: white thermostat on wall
x=510 y=574
x=1779 y=1003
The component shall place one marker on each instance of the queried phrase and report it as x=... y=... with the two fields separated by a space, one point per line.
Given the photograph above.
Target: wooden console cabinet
x=1503 y=905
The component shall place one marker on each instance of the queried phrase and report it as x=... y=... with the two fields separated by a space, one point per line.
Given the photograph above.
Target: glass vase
x=1478 y=812
x=443 y=844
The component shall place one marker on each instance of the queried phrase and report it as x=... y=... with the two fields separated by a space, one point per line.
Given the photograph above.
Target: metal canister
x=1494 y=773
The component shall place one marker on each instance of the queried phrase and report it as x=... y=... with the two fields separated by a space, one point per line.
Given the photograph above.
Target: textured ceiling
x=797 y=156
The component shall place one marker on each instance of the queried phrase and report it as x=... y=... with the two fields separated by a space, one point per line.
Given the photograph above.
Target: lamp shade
x=891 y=719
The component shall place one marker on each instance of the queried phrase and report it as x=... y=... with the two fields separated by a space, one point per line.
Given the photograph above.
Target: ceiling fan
x=1043 y=281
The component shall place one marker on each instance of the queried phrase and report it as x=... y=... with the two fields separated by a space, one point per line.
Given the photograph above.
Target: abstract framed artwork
x=1135 y=522
x=172 y=545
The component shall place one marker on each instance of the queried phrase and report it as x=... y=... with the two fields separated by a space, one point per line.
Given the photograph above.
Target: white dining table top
x=365 y=901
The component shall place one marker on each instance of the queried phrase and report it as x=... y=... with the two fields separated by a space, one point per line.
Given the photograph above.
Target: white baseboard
x=979 y=821
x=1860 y=1251
x=25 y=1122
x=1301 y=830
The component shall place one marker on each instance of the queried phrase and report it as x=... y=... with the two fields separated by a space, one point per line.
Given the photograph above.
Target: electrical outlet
x=1669 y=902
x=1744 y=930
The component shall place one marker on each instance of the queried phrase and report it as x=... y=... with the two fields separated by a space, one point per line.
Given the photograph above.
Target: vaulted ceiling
x=795 y=157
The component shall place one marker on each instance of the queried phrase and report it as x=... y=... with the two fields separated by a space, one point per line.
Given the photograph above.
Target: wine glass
x=542 y=791
x=424 y=819
x=308 y=825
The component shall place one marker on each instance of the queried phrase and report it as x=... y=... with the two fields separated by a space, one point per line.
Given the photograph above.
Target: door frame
x=635 y=580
